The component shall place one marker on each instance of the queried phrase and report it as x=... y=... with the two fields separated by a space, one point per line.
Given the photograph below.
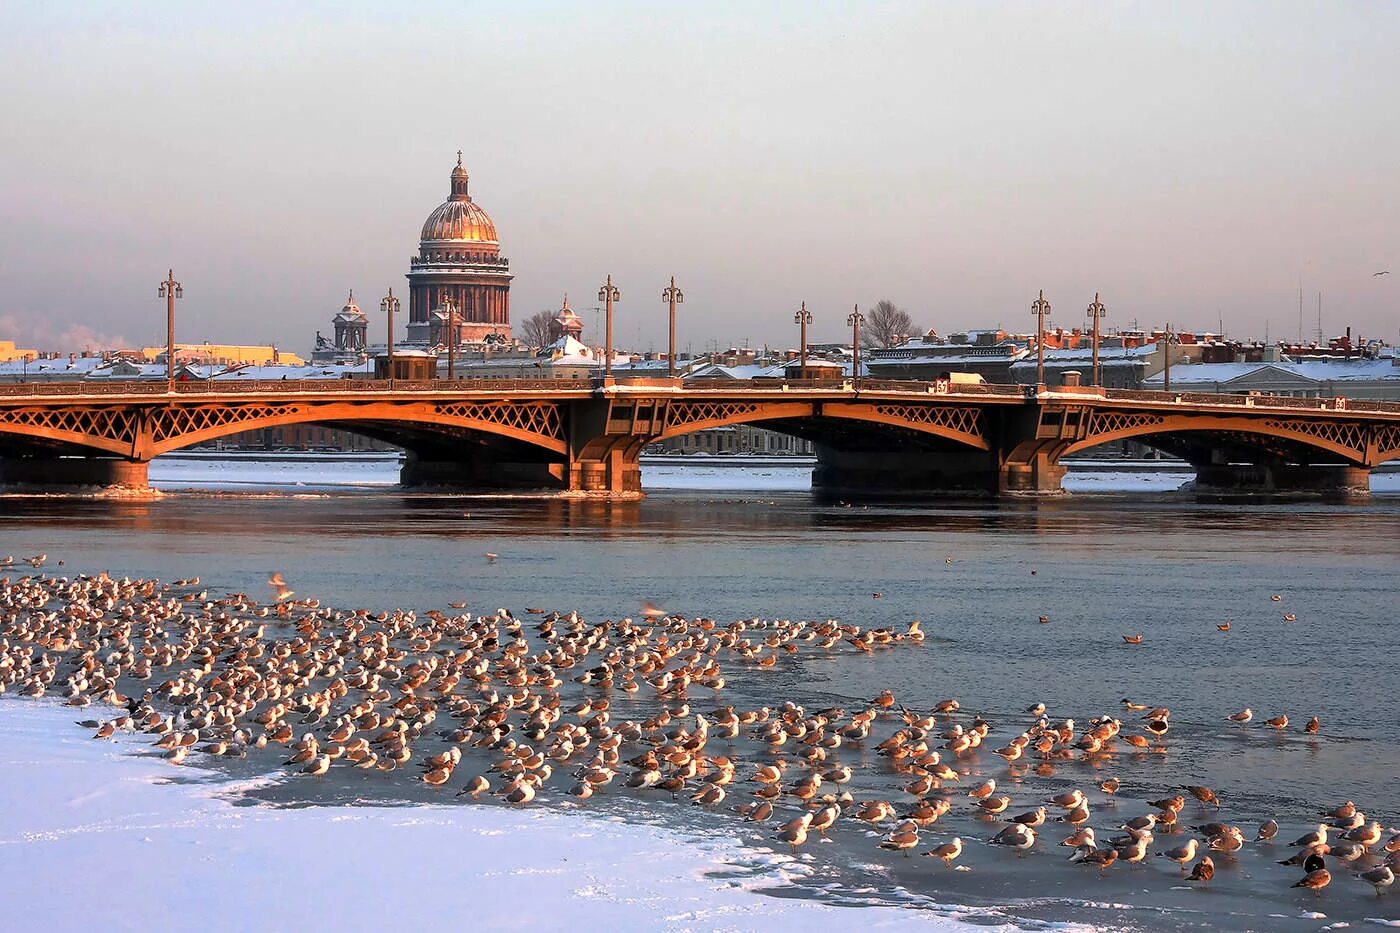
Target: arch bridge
x=587 y=437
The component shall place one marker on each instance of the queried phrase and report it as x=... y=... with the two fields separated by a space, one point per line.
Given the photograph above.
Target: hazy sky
x=1187 y=160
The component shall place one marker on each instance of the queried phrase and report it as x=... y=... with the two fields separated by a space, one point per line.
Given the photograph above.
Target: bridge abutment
x=74 y=472
x=1342 y=481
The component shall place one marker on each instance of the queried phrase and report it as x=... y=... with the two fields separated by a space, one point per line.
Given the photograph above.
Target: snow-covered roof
x=75 y=367
x=310 y=371
x=1108 y=356
x=740 y=371
x=1309 y=371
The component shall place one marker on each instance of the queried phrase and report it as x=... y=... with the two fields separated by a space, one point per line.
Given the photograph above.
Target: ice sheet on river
x=92 y=836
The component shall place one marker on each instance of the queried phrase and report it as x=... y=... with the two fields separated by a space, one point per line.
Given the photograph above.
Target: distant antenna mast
x=1300 y=309
x=1319 y=319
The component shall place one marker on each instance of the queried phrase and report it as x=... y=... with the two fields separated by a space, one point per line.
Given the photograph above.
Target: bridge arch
x=1345 y=440
x=144 y=432
x=964 y=425
x=539 y=424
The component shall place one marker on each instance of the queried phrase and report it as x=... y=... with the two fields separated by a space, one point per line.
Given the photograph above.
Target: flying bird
x=1382 y=272
x=280 y=585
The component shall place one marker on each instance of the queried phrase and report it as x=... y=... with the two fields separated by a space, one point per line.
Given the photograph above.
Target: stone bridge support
x=73 y=472
x=1274 y=477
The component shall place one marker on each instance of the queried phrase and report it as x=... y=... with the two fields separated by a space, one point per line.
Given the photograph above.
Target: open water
x=978 y=575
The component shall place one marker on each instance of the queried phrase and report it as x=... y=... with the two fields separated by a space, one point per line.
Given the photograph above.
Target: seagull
x=491 y=557
x=280 y=585
x=652 y=611
x=1382 y=272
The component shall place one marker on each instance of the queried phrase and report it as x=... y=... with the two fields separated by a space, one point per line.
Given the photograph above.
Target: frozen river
x=739 y=543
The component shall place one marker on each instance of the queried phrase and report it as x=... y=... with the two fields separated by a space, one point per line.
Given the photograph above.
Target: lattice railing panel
x=679 y=414
x=540 y=418
x=1111 y=422
x=179 y=421
x=1388 y=438
x=115 y=424
x=963 y=420
x=1348 y=434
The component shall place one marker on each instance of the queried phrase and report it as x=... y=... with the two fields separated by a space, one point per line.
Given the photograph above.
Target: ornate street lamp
x=855 y=319
x=170 y=290
x=451 y=305
x=390 y=306
x=1097 y=312
x=674 y=296
x=1041 y=307
x=1167 y=359
x=802 y=318
x=609 y=295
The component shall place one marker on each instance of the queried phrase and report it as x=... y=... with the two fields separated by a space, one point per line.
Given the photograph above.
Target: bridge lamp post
x=609 y=295
x=170 y=290
x=855 y=319
x=1041 y=308
x=1167 y=359
x=1097 y=312
x=673 y=296
x=802 y=318
x=389 y=305
x=450 y=304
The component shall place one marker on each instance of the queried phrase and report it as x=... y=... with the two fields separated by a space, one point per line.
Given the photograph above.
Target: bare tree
x=534 y=330
x=886 y=325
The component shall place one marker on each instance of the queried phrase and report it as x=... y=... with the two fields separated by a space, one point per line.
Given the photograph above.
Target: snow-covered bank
x=92 y=836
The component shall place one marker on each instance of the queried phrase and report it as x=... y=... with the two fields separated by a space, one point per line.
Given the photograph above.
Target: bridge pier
x=905 y=473
x=1342 y=481
x=480 y=473
x=1039 y=475
x=74 y=471
x=614 y=474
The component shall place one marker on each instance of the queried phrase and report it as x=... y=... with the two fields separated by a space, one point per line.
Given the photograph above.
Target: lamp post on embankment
x=170 y=290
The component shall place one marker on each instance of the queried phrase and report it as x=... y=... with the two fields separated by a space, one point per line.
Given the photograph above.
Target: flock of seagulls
x=534 y=708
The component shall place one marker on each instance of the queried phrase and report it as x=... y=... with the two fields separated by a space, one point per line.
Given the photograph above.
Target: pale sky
x=1187 y=160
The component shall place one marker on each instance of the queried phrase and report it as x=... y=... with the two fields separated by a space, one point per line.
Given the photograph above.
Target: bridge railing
x=231 y=387
x=1253 y=400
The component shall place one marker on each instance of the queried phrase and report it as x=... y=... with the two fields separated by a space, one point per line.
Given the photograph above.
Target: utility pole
x=170 y=290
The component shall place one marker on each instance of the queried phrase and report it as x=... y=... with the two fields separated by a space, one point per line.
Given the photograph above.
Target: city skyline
x=955 y=160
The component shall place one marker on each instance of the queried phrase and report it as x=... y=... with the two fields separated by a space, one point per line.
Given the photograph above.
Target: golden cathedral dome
x=459 y=218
